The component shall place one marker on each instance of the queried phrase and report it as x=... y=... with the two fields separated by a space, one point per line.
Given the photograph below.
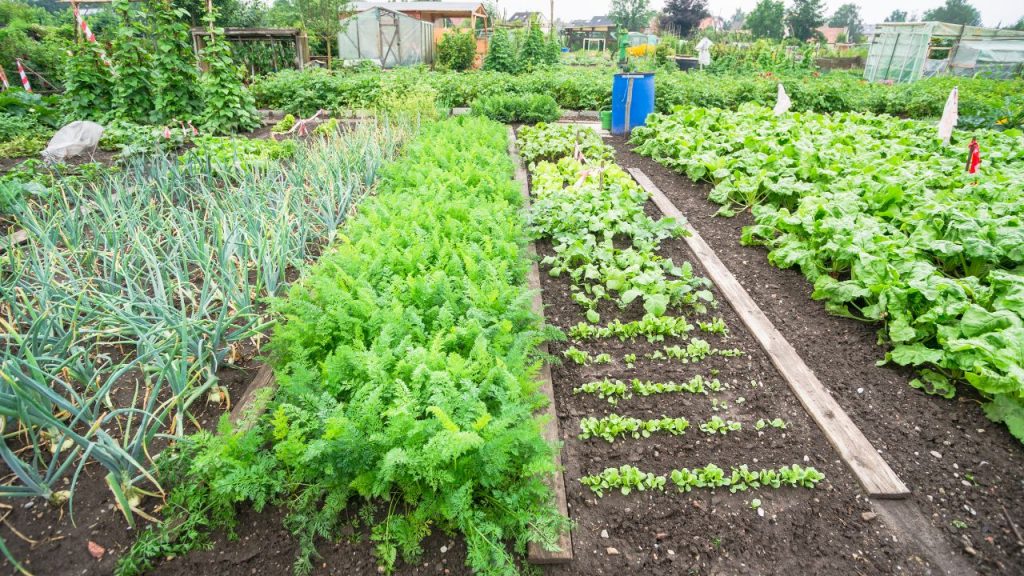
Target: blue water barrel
x=632 y=101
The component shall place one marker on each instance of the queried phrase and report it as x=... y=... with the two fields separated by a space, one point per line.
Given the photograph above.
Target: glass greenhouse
x=908 y=51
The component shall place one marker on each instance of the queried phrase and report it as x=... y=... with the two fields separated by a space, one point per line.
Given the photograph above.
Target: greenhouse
x=908 y=51
x=387 y=37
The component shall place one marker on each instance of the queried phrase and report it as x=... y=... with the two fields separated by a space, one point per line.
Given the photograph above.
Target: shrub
x=529 y=108
x=456 y=50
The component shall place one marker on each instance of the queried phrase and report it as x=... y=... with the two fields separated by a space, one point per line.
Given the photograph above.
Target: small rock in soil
x=612 y=551
x=970 y=551
x=95 y=550
x=604 y=533
x=936 y=454
x=661 y=535
x=868 y=516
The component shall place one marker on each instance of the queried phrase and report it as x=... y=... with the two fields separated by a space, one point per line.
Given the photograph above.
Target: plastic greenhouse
x=386 y=37
x=908 y=51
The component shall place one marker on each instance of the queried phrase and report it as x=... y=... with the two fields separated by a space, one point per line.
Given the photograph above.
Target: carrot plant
x=406 y=359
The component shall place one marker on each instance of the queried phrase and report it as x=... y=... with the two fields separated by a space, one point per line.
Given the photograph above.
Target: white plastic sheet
x=79 y=137
x=950 y=114
x=704 y=52
x=783 y=102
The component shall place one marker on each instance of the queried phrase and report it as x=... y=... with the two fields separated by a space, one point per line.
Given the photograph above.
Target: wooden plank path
x=871 y=470
x=536 y=554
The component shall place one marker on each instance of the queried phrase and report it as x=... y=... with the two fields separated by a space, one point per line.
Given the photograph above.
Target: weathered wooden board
x=254 y=400
x=871 y=470
x=536 y=553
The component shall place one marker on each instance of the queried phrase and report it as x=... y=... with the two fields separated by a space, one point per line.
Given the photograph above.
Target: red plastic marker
x=24 y=78
x=973 y=156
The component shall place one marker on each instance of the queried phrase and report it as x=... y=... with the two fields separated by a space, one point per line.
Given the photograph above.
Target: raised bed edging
x=537 y=554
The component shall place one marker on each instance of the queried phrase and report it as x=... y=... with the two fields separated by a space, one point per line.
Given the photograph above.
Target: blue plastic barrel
x=632 y=101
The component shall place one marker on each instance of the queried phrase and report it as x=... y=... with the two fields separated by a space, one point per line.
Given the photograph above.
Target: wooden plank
x=871 y=470
x=536 y=553
x=255 y=399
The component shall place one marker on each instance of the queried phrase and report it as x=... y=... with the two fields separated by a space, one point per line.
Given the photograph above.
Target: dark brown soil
x=59 y=542
x=703 y=532
x=963 y=469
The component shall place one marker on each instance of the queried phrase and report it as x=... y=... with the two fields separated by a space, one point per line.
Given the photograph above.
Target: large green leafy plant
x=457 y=50
x=228 y=104
x=885 y=221
x=175 y=76
x=133 y=91
x=88 y=84
x=501 y=56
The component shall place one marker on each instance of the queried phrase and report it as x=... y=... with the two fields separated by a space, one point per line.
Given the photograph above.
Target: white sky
x=872 y=11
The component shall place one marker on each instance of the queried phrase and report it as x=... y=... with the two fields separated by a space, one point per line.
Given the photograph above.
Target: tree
x=230 y=13
x=681 y=16
x=897 y=16
x=321 y=18
x=848 y=16
x=766 y=20
x=1019 y=25
x=633 y=15
x=501 y=56
x=736 y=21
x=954 y=12
x=804 y=17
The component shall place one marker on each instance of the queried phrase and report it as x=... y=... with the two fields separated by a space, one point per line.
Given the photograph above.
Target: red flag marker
x=973 y=156
x=3 y=79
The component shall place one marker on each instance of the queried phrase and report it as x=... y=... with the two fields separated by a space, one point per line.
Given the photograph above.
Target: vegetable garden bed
x=963 y=470
x=658 y=529
x=132 y=315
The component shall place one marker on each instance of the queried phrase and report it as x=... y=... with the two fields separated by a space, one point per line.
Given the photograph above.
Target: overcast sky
x=872 y=11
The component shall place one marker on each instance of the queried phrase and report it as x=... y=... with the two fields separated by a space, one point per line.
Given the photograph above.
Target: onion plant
x=116 y=316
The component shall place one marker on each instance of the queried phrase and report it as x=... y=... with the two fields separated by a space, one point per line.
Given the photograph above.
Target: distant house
x=832 y=34
x=598 y=33
x=712 y=23
x=523 y=19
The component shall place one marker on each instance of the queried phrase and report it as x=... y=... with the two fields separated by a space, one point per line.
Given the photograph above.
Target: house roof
x=595 y=21
x=831 y=34
x=453 y=7
x=525 y=16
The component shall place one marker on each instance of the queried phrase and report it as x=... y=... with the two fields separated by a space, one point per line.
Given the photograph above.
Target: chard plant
x=882 y=218
x=612 y=426
x=710 y=477
x=654 y=328
x=716 y=425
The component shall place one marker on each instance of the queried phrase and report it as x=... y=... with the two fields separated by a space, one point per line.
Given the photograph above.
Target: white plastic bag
x=782 y=103
x=950 y=115
x=704 y=52
x=81 y=136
